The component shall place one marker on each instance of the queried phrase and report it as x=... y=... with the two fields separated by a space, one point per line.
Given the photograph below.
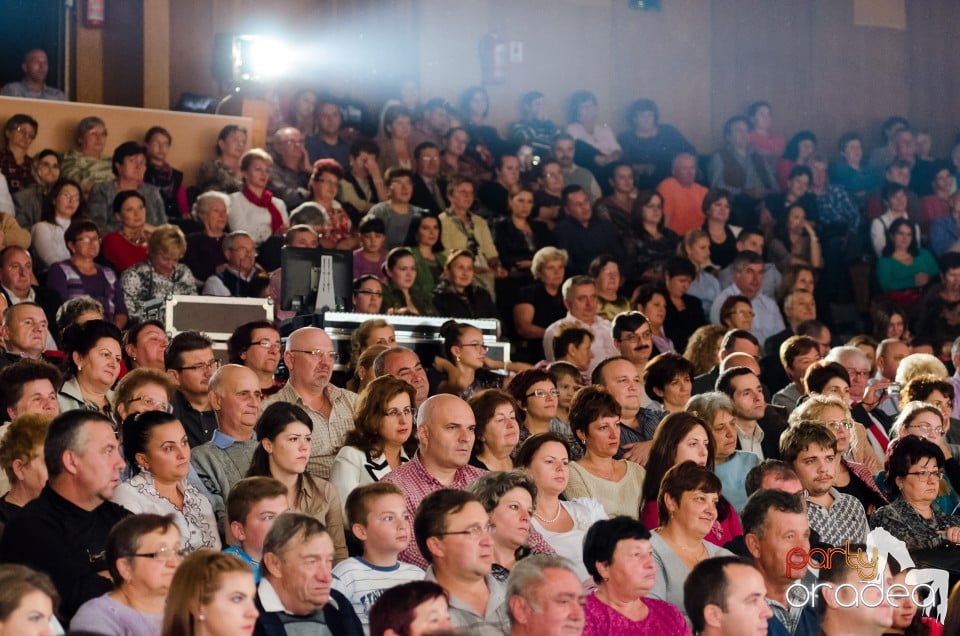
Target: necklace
x=555 y=517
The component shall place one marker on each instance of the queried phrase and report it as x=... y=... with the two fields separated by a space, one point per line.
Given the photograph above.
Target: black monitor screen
x=316 y=279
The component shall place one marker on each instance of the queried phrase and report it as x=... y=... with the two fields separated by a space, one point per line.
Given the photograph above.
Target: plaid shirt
x=843 y=521
x=329 y=434
x=19 y=176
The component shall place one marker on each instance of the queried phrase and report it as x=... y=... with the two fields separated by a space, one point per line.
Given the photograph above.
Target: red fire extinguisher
x=94 y=13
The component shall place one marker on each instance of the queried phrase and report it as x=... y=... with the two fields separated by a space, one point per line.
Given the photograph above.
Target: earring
x=79 y=368
x=201 y=617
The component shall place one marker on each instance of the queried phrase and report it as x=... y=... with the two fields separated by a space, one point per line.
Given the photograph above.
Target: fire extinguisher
x=493 y=59
x=94 y=13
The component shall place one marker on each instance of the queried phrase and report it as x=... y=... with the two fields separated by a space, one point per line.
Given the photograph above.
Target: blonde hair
x=167 y=240
x=543 y=256
x=195 y=582
x=811 y=410
x=920 y=364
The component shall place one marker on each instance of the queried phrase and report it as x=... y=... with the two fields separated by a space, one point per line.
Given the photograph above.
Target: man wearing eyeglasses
x=236 y=277
x=190 y=362
x=580 y=299
x=453 y=532
x=747 y=268
x=865 y=396
x=291 y=169
x=310 y=357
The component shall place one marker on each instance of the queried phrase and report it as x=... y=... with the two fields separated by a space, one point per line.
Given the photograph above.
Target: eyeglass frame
x=927 y=474
x=540 y=393
x=150 y=402
x=395 y=412
x=202 y=366
x=474 y=532
x=266 y=344
x=317 y=353
x=179 y=553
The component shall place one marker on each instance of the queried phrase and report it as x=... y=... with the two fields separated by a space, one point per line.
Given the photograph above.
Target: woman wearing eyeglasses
x=143 y=552
x=142 y=390
x=93 y=364
x=158 y=458
x=284 y=431
x=914 y=472
x=383 y=420
x=538 y=397
x=464 y=361
x=498 y=433
x=736 y=312
x=925 y=420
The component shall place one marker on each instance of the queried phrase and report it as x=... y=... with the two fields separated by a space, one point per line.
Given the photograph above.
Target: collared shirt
x=955 y=381
x=271 y=603
x=416 y=483
x=493 y=622
x=751 y=442
x=199 y=425
x=845 y=520
x=767 y=319
x=214 y=285
x=603 y=346
x=220 y=463
x=20 y=89
x=13 y=299
x=329 y=434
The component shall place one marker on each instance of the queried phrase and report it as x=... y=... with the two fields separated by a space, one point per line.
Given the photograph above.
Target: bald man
x=310 y=357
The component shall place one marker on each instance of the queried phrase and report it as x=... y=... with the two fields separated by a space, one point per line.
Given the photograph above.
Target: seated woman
x=517 y=237
x=80 y=275
x=167 y=179
x=722 y=235
x=850 y=477
x=255 y=210
x=508 y=498
x=367 y=295
x=464 y=361
x=363 y=373
x=129 y=167
x=925 y=420
x=224 y=174
x=457 y=295
x=703 y=348
x=497 y=432
x=400 y=293
x=462 y=229
x=904 y=268
x=454 y=160
x=338 y=232
x=896 y=206
x=60 y=208
x=210 y=586
x=161 y=274
x=205 y=247
x=736 y=312
x=143 y=390
x=889 y=321
x=730 y=465
x=680 y=438
x=688 y=506
x=938 y=203
x=395 y=150
x=383 y=419
x=27 y=594
x=85 y=163
x=157 y=451
x=649 y=145
x=598 y=145
x=656 y=242
x=128 y=246
x=396 y=212
x=850 y=172
x=668 y=379
x=795 y=242
x=143 y=552
x=257 y=346
x=423 y=239
x=620 y=557
x=93 y=365
x=16 y=165
x=562 y=522
x=652 y=302
x=796 y=153
x=914 y=472
x=606 y=272
x=615 y=483
x=284 y=431
x=704 y=285
x=485 y=141
x=21 y=458
x=539 y=305
x=536 y=393
x=362 y=185
x=369 y=333
x=684 y=311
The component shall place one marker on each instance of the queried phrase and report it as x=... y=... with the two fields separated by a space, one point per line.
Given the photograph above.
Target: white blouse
x=352 y=468
x=252 y=219
x=584 y=512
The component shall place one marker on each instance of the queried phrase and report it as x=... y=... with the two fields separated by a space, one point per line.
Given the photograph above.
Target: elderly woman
x=21 y=458
x=143 y=552
x=157 y=451
x=80 y=275
x=688 y=506
x=508 y=497
x=400 y=294
x=619 y=555
x=423 y=239
x=15 y=164
x=462 y=229
x=395 y=149
x=925 y=420
x=541 y=304
x=60 y=208
x=85 y=163
x=223 y=174
x=683 y=437
x=562 y=522
x=383 y=419
x=615 y=483
x=849 y=477
x=914 y=471
x=255 y=210
x=284 y=431
x=129 y=168
x=161 y=274
x=28 y=601
x=93 y=364
x=457 y=295
x=497 y=432
x=730 y=465
x=605 y=270
x=668 y=379
x=143 y=390
x=736 y=312
x=205 y=248
x=127 y=246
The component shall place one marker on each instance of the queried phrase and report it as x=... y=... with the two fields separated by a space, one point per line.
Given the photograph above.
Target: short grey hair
x=955 y=349
x=289 y=526
x=838 y=354
x=216 y=380
x=576 y=281
x=310 y=214
x=490 y=487
x=708 y=405
x=228 y=239
x=543 y=256
x=530 y=573
x=205 y=199
x=380 y=362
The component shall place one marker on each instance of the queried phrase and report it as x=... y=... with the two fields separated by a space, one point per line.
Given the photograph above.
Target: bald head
x=310 y=358
x=235 y=397
x=740 y=360
x=446 y=426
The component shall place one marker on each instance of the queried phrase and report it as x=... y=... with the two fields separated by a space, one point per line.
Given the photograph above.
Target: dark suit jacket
x=422 y=197
x=773 y=423
x=706 y=382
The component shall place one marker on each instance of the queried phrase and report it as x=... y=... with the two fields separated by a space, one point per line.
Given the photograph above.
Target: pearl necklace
x=557 y=516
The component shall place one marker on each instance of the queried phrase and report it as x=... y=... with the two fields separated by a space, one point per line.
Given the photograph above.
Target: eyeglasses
x=479 y=345
x=367 y=292
x=837 y=425
x=631 y=337
x=29 y=133
x=318 y=353
x=924 y=475
x=926 y=429
x=202 y=366
x=743 y=312
x=87 y=239
x=163 y=555
x=405 y=411
x=474 y=531
x=854 y=372
x=267 y=344
x=540 y=393
x=151 y=404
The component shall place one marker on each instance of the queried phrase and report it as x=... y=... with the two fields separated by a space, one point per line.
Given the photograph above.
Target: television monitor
x=315 y=280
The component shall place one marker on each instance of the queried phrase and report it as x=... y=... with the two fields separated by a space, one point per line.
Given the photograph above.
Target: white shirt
x=603 y=346
x=767 y=320
x=750 y=442
x=253 y=219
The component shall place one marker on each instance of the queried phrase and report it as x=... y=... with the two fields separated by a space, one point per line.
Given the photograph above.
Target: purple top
x=104 y=286
x=105 y=615
x=663 y=619
x=361 y=266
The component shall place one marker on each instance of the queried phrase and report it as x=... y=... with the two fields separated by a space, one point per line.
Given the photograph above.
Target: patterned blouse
x=141 y=284
x=904 y=522
x=196 y=522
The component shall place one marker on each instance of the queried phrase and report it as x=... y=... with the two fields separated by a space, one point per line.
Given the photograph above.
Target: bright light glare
x=263 y=57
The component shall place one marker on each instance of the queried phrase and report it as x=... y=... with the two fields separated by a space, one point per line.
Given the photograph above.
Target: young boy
x=377 y=517
x=252 y=505
x=371 y=255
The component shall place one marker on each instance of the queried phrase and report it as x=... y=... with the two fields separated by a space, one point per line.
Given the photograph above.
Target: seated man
x=64 y=531
x=327 y=143
x=741 y=171
x=239 y=277
x=797 y=353
x=621 y=379
x=849 y=603
x=453 y=532
x=16 y=278
x=33 y=85
x=295 y=594
x=811 y=449
x=24 y=332
x=751 y=239
x=404 y=364
x=564 y=148
x=747 y=270
x=290 y=174
x=427 y=193
x=582 y=234
x=734 y=341
x=544 y=597
x=190 y=362
x=724 y=596
x=534 y=128
x=799 y=306
x=29 y=386
x=580 y=299
x=683 y=196
x=756 y=431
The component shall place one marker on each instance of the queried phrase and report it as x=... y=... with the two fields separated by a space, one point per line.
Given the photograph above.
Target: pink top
x=663 y=619
x=770 y=145
x=720 y=534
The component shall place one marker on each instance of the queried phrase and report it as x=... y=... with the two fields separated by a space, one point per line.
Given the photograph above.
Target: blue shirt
x=239 y=552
